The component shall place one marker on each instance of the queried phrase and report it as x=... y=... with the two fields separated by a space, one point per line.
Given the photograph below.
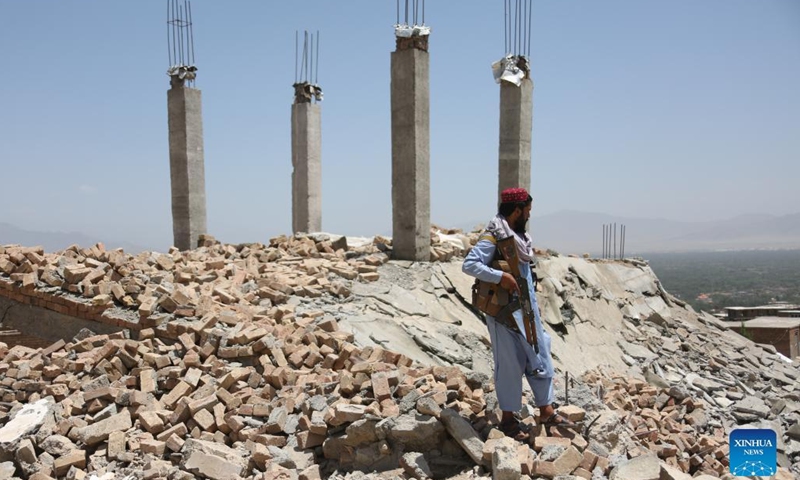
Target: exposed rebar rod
x=406 y=20
x=519 y=25
x=186 y=32
x=624 y=238
x=516 y=25
x=300 y=61
x=308 y=54
x=505 y=25
x=615 y=240
x=524 y=26
x=316 y=78
x=310 y=71
x=303 y=59
x=423 y=12
x=312 y=67
x=530 y=28
x=169 y=50
x=174 y=33
x=510 y=26
x=510 y=48
x=180 y=32
x=603 y=255
x=191 y=31
x=398 y=13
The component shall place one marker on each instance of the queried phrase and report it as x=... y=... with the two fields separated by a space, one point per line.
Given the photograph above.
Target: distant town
x=776 y=324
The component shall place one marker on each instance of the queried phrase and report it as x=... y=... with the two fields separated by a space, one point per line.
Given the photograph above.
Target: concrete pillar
x=411 y=203
x=307 y=168
x=516 y=125
x=186 y=165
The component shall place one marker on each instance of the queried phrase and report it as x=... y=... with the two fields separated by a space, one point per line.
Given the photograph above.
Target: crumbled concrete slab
x=26 y=422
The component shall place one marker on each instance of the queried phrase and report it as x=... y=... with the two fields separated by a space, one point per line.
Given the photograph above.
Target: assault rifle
x=508 y=248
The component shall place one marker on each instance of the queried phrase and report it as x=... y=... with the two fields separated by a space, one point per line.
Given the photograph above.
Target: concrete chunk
x=505 y=462
x=99 y=432
x=211 y=466
x=672 y=473
x=116 y=445
x=213 y=460
x=57 y=445
x=568 y=461
x=644 y=467
x=26 y=422
x=7 y=470
x=26 y=453
x=415 y=465
x=420 y=433
x=460 y=429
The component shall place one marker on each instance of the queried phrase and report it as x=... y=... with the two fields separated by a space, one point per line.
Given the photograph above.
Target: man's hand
x=508 y=282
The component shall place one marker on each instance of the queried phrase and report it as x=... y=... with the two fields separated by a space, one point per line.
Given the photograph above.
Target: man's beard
x=521 y=225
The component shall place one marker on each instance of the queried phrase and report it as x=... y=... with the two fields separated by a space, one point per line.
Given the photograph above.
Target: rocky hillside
x=317 y=357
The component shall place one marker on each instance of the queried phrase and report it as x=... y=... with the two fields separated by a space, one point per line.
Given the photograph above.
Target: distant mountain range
x=54 y=241
x=565 y=232
x=581 y=232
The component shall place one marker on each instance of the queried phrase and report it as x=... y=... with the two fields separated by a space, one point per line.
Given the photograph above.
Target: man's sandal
x=556 y=420
x=511 y=428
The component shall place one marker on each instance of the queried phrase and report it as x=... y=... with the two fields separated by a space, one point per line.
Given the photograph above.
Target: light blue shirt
x=478 y=264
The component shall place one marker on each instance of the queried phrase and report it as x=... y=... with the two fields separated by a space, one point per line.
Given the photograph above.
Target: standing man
x=513 y=355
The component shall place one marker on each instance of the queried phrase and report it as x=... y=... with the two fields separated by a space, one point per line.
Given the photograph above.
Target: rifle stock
x=508 y=249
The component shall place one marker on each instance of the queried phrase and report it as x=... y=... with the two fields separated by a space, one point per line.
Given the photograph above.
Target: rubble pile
x=256 y=399
x=687 y=433
x=683 y=380
x=700 y=382
x=666 y=422
x=234 y=364
x=252 y=279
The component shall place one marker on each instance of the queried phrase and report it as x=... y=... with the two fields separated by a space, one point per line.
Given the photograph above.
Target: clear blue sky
x=679 y=109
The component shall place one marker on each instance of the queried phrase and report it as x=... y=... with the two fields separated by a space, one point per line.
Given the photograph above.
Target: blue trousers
x=513 y=359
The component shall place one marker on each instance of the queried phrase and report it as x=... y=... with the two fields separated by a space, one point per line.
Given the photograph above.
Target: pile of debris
x=697 y=384
x=682 y=380
x=239 y=369
x=251 y=279
x=258 y=399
